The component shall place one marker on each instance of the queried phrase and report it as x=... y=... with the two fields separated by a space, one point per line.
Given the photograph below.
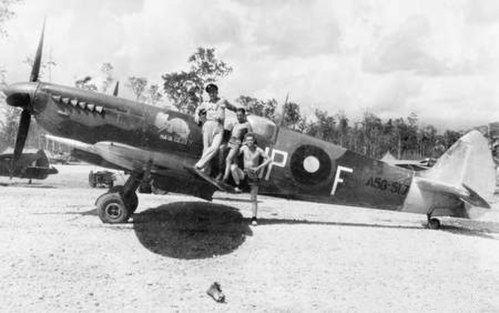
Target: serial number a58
x=390 y=186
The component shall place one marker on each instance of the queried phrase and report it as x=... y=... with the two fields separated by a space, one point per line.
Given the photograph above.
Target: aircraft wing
x=84 y=152
x=125 y=157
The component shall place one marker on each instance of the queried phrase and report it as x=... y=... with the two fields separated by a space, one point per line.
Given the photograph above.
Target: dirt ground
x=302 y=257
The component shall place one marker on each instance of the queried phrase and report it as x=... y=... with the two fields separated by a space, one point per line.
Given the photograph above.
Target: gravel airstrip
x=57 y=256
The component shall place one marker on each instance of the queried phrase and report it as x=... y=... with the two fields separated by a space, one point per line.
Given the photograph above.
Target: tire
x=111 y=209
x=434 y=223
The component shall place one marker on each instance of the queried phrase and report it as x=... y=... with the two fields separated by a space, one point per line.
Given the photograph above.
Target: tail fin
x=467 y=164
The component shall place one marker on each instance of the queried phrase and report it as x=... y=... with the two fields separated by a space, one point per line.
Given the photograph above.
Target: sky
x=436 y=58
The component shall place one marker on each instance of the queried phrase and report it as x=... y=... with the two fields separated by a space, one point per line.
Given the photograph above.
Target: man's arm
x=229 y=105
x=241 y=149
x=266 y=159
x=220 y=112
x=196 y=112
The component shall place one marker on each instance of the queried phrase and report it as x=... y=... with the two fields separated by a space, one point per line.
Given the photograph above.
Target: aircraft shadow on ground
x=26 y=185
x=191 y=230
x=455 y=229
x=234 y=199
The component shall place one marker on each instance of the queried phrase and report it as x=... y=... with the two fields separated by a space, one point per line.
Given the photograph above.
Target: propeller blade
x=22 y=134
x=281 y=121
x=116 y=89
x=35 y=71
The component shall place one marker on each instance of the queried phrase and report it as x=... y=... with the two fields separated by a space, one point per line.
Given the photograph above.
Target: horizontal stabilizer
x=462 y=191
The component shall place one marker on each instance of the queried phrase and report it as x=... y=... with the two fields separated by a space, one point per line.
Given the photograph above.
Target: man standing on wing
x=213 y=126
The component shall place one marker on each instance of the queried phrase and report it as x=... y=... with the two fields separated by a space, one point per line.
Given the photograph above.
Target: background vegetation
x=183 y=91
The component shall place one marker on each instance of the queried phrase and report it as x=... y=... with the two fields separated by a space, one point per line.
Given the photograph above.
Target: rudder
x=468 y=162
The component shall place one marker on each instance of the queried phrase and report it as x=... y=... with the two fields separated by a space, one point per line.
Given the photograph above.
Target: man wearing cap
x=213 y=112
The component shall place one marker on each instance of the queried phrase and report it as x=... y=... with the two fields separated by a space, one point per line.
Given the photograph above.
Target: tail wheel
x=112 y=209
x=433 y=223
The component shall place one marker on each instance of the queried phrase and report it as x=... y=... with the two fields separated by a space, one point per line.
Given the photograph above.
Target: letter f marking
x=338 y=179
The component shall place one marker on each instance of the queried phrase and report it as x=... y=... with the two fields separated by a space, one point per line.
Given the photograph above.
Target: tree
x=44 y=66
x=185 y=89
x=292 y=116
x=323 y=128
x=138 y=85
x=152 y=94
x=263 y=108
x=342 y=128
x=207 y=66
x=92 y=83
x=9 y=126
x=6 y=13
x=86 y=83
x=107 y=70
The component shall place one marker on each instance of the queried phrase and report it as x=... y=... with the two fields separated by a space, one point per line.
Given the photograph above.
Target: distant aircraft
x=415 y=165
x=162 y=145
x=31 y=165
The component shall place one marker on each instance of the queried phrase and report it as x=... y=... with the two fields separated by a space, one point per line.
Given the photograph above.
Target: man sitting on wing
x=239 y=131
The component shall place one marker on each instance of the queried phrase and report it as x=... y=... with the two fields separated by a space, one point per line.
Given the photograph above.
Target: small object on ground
x=237 y=190
x=253 y=221
x=216 y=292
x=101 y=179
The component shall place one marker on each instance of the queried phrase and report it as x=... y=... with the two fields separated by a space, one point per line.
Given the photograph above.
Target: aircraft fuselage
x=302 y=167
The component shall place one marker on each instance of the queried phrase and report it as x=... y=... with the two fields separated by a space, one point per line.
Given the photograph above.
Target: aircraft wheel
x=132 y=201
x=434 y=223
x=112 y=209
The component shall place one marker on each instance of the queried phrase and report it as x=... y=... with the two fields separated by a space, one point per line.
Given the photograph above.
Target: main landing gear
x=433 y=223
x=120 y=202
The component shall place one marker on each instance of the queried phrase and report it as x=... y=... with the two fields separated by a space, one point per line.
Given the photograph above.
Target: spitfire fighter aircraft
x=30 y=165
x=162 y=145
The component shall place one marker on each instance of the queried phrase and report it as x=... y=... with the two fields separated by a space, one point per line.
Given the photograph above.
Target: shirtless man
x=239 y=130
x=213 y=126
x=252 y=166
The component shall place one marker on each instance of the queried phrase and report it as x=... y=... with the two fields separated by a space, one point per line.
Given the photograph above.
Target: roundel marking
x=310 y=165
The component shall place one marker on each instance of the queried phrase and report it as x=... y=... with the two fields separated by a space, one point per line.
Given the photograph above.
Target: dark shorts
x=252 y=177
